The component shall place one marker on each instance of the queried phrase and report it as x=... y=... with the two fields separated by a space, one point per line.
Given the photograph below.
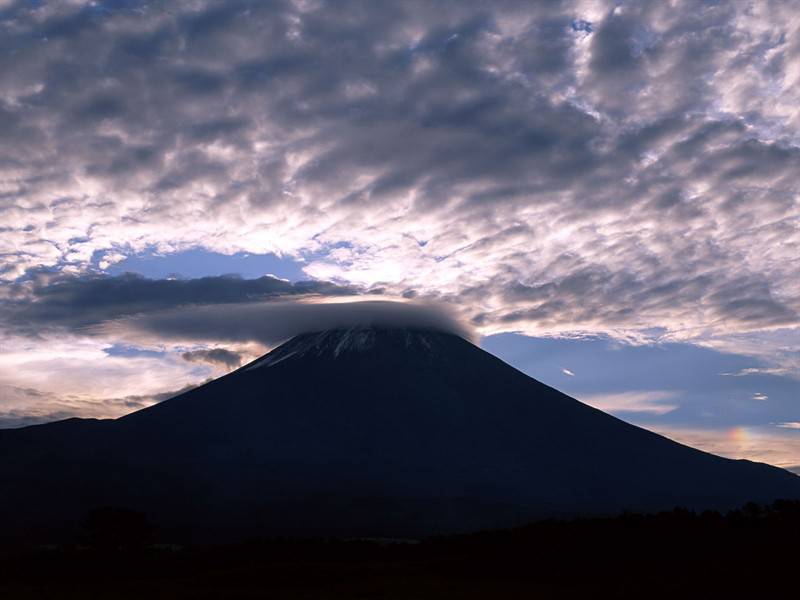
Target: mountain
x=361 y=432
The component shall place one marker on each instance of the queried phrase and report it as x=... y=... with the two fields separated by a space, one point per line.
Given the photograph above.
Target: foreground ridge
x=663 y=555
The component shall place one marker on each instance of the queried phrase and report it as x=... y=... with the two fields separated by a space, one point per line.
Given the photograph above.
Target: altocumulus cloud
x=549 y=168
x=488 y=155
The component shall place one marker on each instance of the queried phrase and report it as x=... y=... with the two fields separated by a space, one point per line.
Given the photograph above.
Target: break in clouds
x=553 y=168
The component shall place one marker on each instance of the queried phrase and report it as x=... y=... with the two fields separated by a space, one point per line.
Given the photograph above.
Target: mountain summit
x=362 y=431
x=334 y=342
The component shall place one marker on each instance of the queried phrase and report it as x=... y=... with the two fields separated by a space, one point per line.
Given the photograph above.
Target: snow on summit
x=333 y=343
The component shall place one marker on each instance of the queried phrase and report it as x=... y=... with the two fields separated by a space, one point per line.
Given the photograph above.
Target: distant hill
x=380 y=432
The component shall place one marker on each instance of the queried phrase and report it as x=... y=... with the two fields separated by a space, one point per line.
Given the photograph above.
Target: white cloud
x=74 y=376
x=655 y=402
x=759 y=371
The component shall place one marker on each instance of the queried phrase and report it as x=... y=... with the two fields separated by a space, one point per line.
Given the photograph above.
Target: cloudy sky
x=604 y=192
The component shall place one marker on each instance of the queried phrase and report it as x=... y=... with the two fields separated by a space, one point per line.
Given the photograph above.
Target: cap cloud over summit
x=273 y=322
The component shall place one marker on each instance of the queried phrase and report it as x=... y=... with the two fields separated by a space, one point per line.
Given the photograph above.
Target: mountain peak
x=363 y=431
x=335 y=342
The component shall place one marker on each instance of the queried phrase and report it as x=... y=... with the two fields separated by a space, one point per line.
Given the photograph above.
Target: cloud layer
x=77 y=304
x=552 y=167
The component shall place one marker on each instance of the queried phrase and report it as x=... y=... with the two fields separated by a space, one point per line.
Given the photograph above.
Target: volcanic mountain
x=365 y=431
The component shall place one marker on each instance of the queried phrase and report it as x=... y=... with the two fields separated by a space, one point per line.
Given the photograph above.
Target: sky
x=604 y=193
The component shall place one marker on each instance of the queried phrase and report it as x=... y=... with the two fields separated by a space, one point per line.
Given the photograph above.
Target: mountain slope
x=389 y=432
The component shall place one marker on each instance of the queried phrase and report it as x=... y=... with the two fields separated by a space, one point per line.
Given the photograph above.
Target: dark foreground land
x=679 y=554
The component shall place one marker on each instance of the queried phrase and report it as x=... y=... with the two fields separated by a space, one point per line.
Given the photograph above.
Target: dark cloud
x=76 y=303
x=613 y=47
x=215 y=356
x=200 y=309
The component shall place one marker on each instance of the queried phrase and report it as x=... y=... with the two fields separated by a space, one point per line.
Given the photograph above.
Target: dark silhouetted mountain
x=361 y=432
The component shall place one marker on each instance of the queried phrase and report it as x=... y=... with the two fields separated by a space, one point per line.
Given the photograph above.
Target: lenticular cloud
x=273 y=322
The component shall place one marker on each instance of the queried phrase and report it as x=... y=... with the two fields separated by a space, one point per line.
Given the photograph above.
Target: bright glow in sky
x=603 y=179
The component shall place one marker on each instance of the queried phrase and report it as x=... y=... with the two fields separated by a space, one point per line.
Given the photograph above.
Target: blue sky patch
x=700 y=385
x=202 y=263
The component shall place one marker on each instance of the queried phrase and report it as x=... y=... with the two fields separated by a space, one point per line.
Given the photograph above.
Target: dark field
x=679 y=554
